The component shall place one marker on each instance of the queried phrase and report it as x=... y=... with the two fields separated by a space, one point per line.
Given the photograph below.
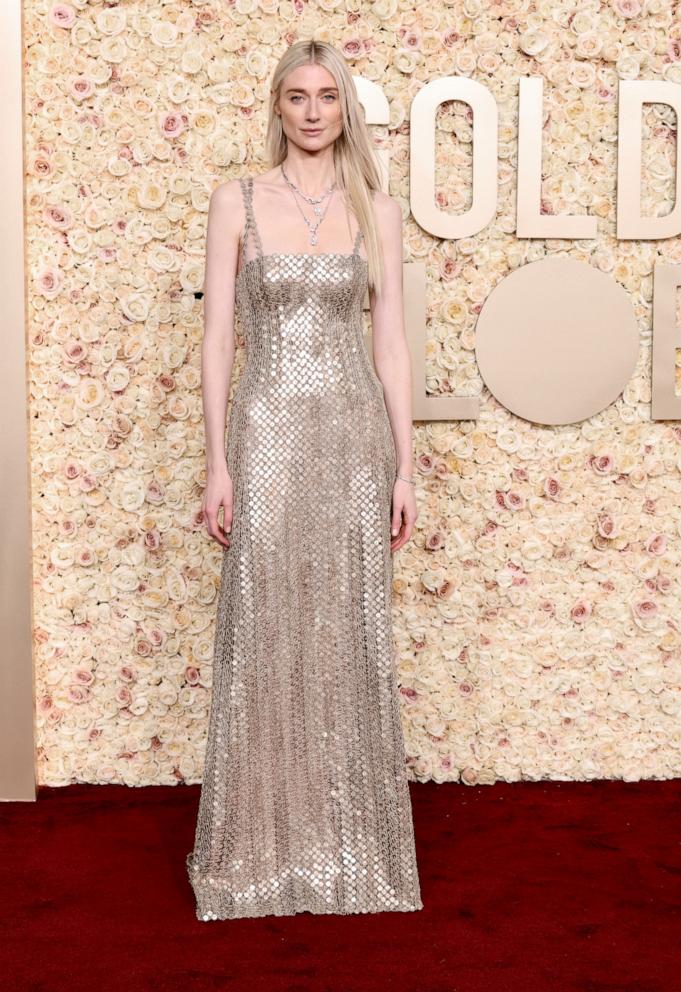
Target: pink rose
x=424 y=464
x=606 y=525
x=352 y=48
x=74 y=351
x=152 y=539
x=49 y=281
x=166 y=381
x=87 y=483
x=58 y=217
x=434 y=541
x=41 y=166
x=602 y=465
x=513 y=500
x=82 y=87
x=449 y=268
x=78 y=694
x=155 y=492
x=581 y=611
x=551 y=487
x=62 y=15
x=627 y=8
x=172 y=124
x=674 y=49
x=445 y=590
x=645 y=608
x=656 y=544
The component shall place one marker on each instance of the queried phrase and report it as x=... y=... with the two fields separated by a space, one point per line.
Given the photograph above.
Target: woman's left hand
x=403 y=515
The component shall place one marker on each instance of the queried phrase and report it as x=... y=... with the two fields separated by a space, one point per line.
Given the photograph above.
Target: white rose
x=533 y=41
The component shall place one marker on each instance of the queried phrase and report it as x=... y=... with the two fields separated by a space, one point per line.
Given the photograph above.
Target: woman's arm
x=218 y=348
x=392 y=360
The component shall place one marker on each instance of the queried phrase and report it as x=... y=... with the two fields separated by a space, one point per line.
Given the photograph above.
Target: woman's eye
x=330 y=95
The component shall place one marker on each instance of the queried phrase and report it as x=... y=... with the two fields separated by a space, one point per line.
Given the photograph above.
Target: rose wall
x=537 y=608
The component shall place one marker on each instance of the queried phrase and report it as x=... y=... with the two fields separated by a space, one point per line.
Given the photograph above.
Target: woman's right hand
x=218 y=492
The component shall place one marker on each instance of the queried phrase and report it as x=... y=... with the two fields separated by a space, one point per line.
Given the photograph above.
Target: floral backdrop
x=537 y=608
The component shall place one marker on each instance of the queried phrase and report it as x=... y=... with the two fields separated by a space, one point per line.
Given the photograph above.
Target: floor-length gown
x=304 y=804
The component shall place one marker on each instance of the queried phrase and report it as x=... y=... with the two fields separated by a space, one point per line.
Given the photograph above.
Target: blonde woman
x=305 y=805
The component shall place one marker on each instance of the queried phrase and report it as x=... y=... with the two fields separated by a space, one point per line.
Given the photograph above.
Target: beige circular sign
x=556 y=341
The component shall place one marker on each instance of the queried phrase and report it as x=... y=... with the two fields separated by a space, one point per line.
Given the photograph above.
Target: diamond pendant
x=313 y=238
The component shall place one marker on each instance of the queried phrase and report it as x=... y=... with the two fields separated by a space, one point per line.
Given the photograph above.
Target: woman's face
x=309 y=102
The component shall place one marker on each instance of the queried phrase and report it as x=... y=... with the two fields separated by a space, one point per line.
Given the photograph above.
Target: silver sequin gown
x=305 y=804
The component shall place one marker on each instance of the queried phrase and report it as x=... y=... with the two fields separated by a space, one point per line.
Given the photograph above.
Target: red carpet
x=547 y=886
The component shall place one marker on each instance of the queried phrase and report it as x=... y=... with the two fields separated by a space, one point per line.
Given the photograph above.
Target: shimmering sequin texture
x=304 y=804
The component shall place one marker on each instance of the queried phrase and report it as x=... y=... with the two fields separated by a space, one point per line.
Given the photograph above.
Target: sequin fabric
x=305 y=805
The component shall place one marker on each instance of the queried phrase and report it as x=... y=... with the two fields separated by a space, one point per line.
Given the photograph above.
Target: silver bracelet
x=410 y=481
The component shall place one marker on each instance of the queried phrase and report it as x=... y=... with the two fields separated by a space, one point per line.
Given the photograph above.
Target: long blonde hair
x=356 y=168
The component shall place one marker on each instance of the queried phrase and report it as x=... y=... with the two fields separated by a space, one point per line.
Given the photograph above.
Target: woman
x=305 y=804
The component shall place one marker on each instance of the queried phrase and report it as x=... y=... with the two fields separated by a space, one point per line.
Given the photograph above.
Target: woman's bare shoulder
x=226 y=195
x=226 y=207
x=387 y=210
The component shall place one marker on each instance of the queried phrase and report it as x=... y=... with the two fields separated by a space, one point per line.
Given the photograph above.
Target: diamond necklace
x=315 y=204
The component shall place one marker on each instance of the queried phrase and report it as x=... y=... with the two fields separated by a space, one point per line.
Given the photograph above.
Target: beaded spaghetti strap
x=358 y=238
x=251 y=225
